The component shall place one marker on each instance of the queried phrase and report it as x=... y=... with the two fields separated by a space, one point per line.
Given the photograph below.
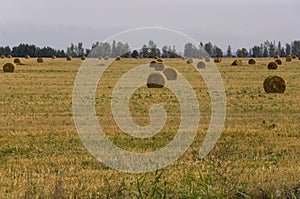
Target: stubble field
x=258 y=154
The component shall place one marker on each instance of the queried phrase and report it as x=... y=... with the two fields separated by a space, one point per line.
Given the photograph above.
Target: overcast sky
x=57 y=23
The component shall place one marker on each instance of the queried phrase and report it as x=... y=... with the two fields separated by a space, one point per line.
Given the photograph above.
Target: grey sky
x=57 y=23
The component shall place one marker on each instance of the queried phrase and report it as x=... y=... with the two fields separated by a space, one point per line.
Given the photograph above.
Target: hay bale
x=272 y=66
x=69 y=58
x=278 y=61
x=294 y=57
x=160 y=60
x=277 y=57
x=17 y=60
x=156 y=80
x=152 y=63
x=2 y=56
x=237 y=62
x=53 y=57
x=189 y=61
x=252 y=62
x=118 y=58
x=288 y=58
x=9 y=56
x=201 y=64
x=156 y=57
x=40 y=60
x=170 y=73
x=27 y=57
x=83 y=58
x=106 y=58
x=207 y=59
x=159 y=66
x=218 y=60
x=274 y=84
x=9 y=68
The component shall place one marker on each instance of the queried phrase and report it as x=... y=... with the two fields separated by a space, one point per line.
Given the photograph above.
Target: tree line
x=150 y=50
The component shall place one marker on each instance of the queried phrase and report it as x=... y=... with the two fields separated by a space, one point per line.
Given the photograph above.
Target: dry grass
x=42 y=155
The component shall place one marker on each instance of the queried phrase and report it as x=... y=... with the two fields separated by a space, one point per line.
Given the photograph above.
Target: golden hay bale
x=69 y=58
x=294 y=57
x=160 y=60
x=277 y=57
x=272 y=66
x=159 y=66
x=9 y=56
x=288 y=58
x=189 y=61
x=83 y=58
x=278 y=61
x=53 y=57
x=237 y=62
x=156 y=57
x=274 y=84
x=2 y=56
x=100 y=58
x=118 y=58
x=207 y=59
x=106 y=58
x=218 y=60
x=170 y=73
x=252 y=61
x=27 y=57
x=201 y=64
x=17 y=60
x=156 y=80
x=9 y=68
x=40 y=60
x=152 y=63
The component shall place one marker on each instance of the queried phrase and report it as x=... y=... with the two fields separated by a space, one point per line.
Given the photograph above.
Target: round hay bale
x=53 y=57
x=278 y=61
x=170 y=73
x=83 y=58
x=207 y=59
x=252 y=61
x=2 y=56
x=189 y=61
x=152 y=63
x=27 y=57
x=69 y=58
x=156 y=80
x=156 y=57
x=201 y=64
x=159 y=66
x=288 y=58
x=40 y=60
x=160 y=60
x=294 y=57
x=272 y=66
x=237 y=62
x=9 y=68
x=218 y=60
x=118 y=58
x=277 y=57
x=274 y=84
x=17 y=60
x=9 y=56
x=106 y=58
